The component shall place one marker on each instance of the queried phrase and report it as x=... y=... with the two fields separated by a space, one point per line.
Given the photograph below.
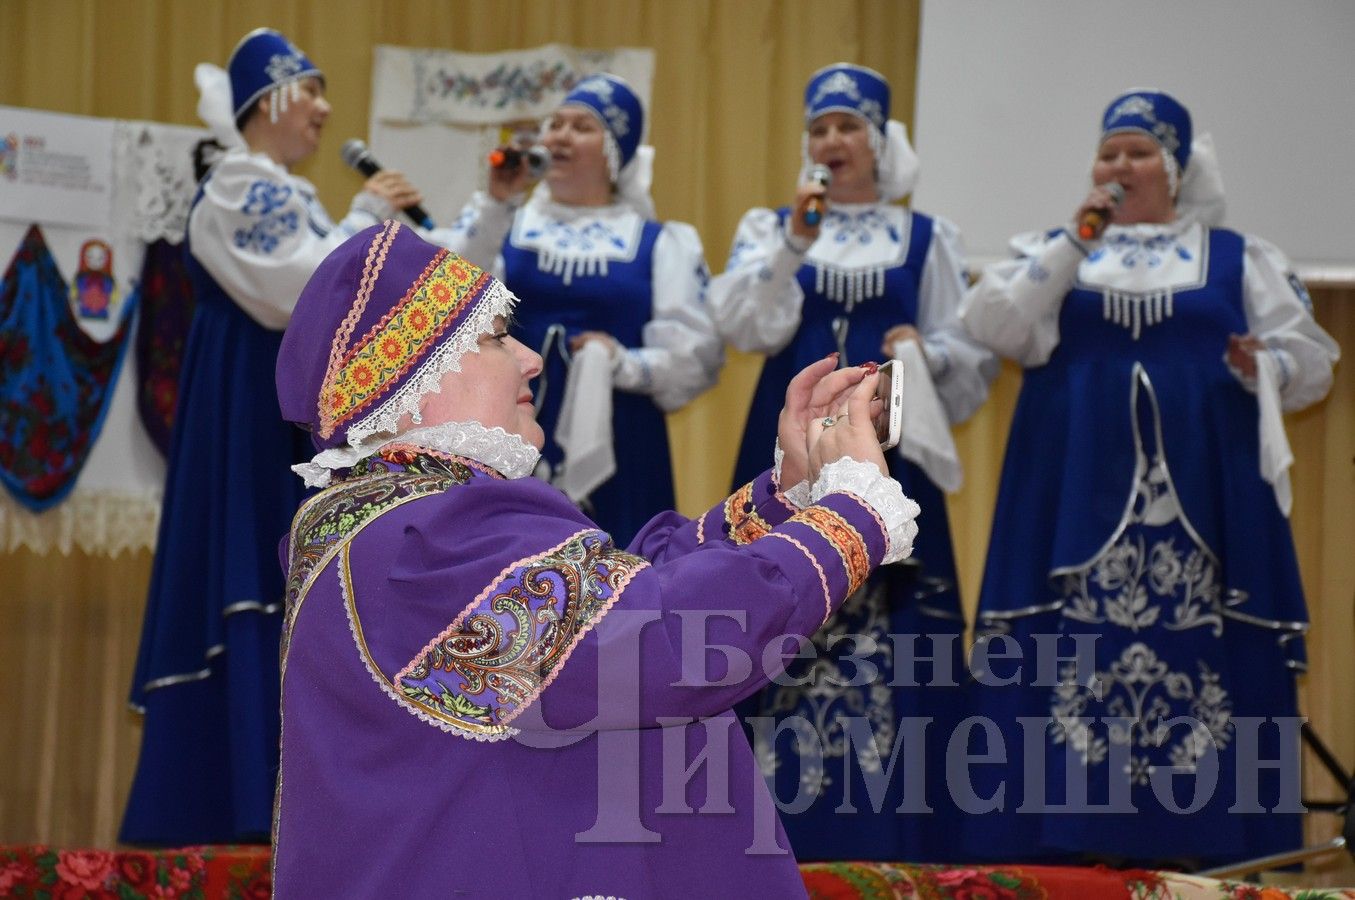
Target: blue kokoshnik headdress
x=1155 y=114
x=843 y=87
x=616 y=106
x=863 y=92
x=264 y=61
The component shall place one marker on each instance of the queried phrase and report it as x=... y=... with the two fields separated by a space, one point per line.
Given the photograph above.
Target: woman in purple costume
x=473 y=672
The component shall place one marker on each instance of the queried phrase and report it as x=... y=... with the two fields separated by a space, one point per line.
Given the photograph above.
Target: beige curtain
x=725 y=123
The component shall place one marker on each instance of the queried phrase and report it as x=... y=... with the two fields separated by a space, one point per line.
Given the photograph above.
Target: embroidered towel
x=584 y=429
x=1276 y=457
x=926 y=438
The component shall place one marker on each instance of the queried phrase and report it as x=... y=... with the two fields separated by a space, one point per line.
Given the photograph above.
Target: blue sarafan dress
x=861 y=794
x=1139 y=563
x=606 y=269
x=207 y=669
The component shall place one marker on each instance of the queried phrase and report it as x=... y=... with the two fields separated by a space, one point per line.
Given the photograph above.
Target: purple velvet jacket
x=483 y=697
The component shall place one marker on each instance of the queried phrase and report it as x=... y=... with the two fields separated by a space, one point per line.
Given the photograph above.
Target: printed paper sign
x=55 y=168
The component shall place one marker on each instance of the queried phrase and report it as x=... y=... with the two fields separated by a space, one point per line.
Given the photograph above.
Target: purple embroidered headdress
x=383 y=318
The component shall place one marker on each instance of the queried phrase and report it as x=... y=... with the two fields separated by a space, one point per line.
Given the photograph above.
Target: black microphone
x=357 y=155
x=536 y=158
x=1094 y=221
x=820 y=175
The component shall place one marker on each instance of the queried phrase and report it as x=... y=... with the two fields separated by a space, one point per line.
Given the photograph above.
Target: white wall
x=1010 y=96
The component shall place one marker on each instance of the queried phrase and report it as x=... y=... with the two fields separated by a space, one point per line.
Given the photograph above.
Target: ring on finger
x=828 y=421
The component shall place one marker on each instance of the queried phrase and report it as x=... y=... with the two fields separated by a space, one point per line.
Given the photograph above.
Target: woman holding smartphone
x=845 y=269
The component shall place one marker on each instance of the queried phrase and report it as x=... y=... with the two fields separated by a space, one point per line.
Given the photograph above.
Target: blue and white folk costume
x=207 y=669
x=615 y=269
x=1133 y=522
x=873 y=266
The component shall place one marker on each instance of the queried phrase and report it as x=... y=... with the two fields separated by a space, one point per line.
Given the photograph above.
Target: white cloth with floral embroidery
x=925 y=437
x=584 y=428
x=115 y=504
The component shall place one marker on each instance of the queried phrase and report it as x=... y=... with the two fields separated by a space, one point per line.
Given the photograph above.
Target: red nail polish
x=870 y=367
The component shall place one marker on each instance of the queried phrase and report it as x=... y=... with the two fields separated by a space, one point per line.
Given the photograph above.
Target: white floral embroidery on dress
x=856 y=247
x=568 y=243
x=1138 y=270
x=1126 y=585
x=825 y=701
x=1144 y=694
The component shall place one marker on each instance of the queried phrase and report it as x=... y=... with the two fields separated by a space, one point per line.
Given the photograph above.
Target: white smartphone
x=889 y=389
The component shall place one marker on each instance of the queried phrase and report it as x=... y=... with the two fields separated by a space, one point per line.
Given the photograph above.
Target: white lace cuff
x=882 y=493
x=798 y=493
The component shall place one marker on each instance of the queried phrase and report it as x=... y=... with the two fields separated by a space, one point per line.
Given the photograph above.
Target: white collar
x=506 y=453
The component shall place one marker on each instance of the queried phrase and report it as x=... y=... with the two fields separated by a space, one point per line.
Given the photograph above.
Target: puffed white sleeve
x=1013 y=308
x=756 y=301
x=260 y=234
x=478 y=231
x=681 y=354
x=1280 y=313
x=961 y=368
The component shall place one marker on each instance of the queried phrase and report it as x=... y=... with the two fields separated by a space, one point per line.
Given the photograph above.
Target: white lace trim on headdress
x=446 y=357
x=214 y=104
x=896 y=162
x=504 y=452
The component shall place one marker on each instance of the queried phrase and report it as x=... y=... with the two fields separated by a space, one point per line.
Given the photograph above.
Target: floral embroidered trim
x=436 y=301
x=846 y=541
x=494 y=300
x=509 y=644
x=745 y=524
x=813 y=560
x=371 y=268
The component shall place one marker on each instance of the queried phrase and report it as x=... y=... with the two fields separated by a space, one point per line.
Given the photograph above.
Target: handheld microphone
x=820 y=175
x=357 y=155
x=1094 y=221
x=536 y=158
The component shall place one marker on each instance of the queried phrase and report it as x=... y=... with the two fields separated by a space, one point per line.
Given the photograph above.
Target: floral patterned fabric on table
x=242 y=873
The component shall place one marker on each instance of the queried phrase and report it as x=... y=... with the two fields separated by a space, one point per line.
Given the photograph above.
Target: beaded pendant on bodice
x=570 y=242
x=1139 y=269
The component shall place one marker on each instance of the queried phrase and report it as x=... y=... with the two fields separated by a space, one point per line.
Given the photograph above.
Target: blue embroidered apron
x=1132 y=511
x=582 y=276
x=850 y=310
